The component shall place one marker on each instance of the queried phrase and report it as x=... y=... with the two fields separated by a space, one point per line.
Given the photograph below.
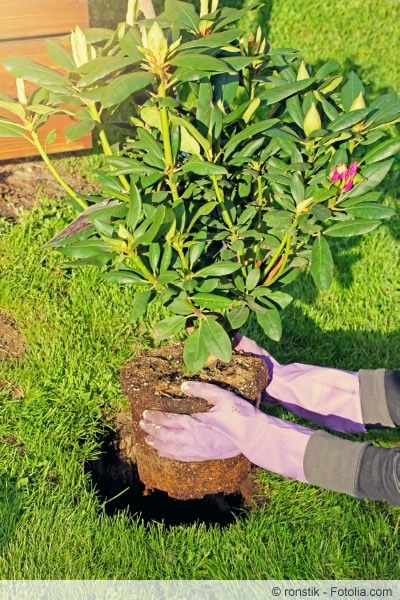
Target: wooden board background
x=24 y=27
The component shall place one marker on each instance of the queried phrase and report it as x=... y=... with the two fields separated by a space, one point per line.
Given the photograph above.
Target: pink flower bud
x=345 y=175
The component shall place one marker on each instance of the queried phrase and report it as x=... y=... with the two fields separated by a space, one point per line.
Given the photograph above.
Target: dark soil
x=12 y=343
x=21 y=181
x=152 y=381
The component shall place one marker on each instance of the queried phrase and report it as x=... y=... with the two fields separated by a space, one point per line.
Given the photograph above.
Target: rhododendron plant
x=232 y=171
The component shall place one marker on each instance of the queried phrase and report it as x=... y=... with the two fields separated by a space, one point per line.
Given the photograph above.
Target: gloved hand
x=328 y=397
x=230 y=427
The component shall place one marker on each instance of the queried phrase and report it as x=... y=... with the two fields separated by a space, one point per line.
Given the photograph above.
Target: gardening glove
x=232 y=426
x=344 y=401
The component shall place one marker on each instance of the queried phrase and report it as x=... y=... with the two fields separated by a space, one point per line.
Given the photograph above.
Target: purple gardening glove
x=232 y=426
x=328 y=397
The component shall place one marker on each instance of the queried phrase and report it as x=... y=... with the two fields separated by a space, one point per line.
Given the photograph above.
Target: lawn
x=57 y=399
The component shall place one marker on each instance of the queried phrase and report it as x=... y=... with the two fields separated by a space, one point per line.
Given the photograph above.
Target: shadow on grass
x=305 y=342
x=10 y=511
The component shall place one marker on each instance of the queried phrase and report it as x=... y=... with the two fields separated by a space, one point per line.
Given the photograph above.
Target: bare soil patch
x=12 y=343
x=21 y=182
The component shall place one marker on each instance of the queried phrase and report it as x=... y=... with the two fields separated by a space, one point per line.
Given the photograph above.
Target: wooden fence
x=24 y=27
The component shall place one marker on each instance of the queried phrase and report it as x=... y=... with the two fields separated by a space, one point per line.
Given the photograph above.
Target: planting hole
x=115 y=479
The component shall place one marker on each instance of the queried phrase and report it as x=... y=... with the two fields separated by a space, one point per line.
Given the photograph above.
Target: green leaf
x=297 y=188
x=153 y=148
x=327 y=69
x=351 y=228
x=252 y=279
x=202 y=62
x=50 y=137
x=13 y=107
x=204 y=143
x=140 y=303
x=294 y=109
x=9 y=129
x=195 y=351
x=188 y=143
x=211 y=301
x=202 y=167
x=79 y=129
x=181 y=306
x=230 y=15
x=385 y=115
x=281 y=298
x=154 y=255
x=181 y=13
x=280 y=92
x=214 y=40
x=34 y=72
x=135 y=207
x=104 y=228
x=86 y=248
x=369 y=210
x=123 y=86
x=216 y=340
x=170 y=326
x=124 y=278
x=205 y=209
x=321 y=264
x=60 y=55
x=247 y=134
x=128 y=166
x=348 y=120
x=351 y=90
x=129 y=44
x=238 y=316
x=101 y=67
x=270 y=322
x=219 y=269
x=148 y=236
x=382 y=151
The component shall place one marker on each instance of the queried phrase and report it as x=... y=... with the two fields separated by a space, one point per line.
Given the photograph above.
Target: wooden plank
x=35 y=18
x=18 y=147
x=28 y=18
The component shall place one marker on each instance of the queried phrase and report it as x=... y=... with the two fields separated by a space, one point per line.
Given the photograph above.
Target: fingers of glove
x=158 y=418
x=214 y=394
x=227 y=405
x=190 y=453
x=193 y=433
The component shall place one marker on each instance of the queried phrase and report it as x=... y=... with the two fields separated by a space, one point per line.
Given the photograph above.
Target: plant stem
x=105 y=143
x=275 y=256
x=224 y=211
x=182 y=257
x=169 y=159
x=282 y=264
x=71 y=192
x=138 y=263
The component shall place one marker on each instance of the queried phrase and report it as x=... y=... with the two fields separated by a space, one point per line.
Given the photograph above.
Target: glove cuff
x=333 y=463
x=374 y=406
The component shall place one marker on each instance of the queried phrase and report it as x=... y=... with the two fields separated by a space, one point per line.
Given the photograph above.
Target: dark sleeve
x=379 y=475
x=392 y=388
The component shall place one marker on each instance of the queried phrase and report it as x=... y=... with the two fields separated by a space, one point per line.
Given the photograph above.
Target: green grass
x=52 y=524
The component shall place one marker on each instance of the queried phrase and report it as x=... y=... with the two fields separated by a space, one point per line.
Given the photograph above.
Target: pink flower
x=345 y=175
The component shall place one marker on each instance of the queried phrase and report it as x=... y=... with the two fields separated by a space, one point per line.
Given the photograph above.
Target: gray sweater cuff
x=374 y=406
x=333 y=463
